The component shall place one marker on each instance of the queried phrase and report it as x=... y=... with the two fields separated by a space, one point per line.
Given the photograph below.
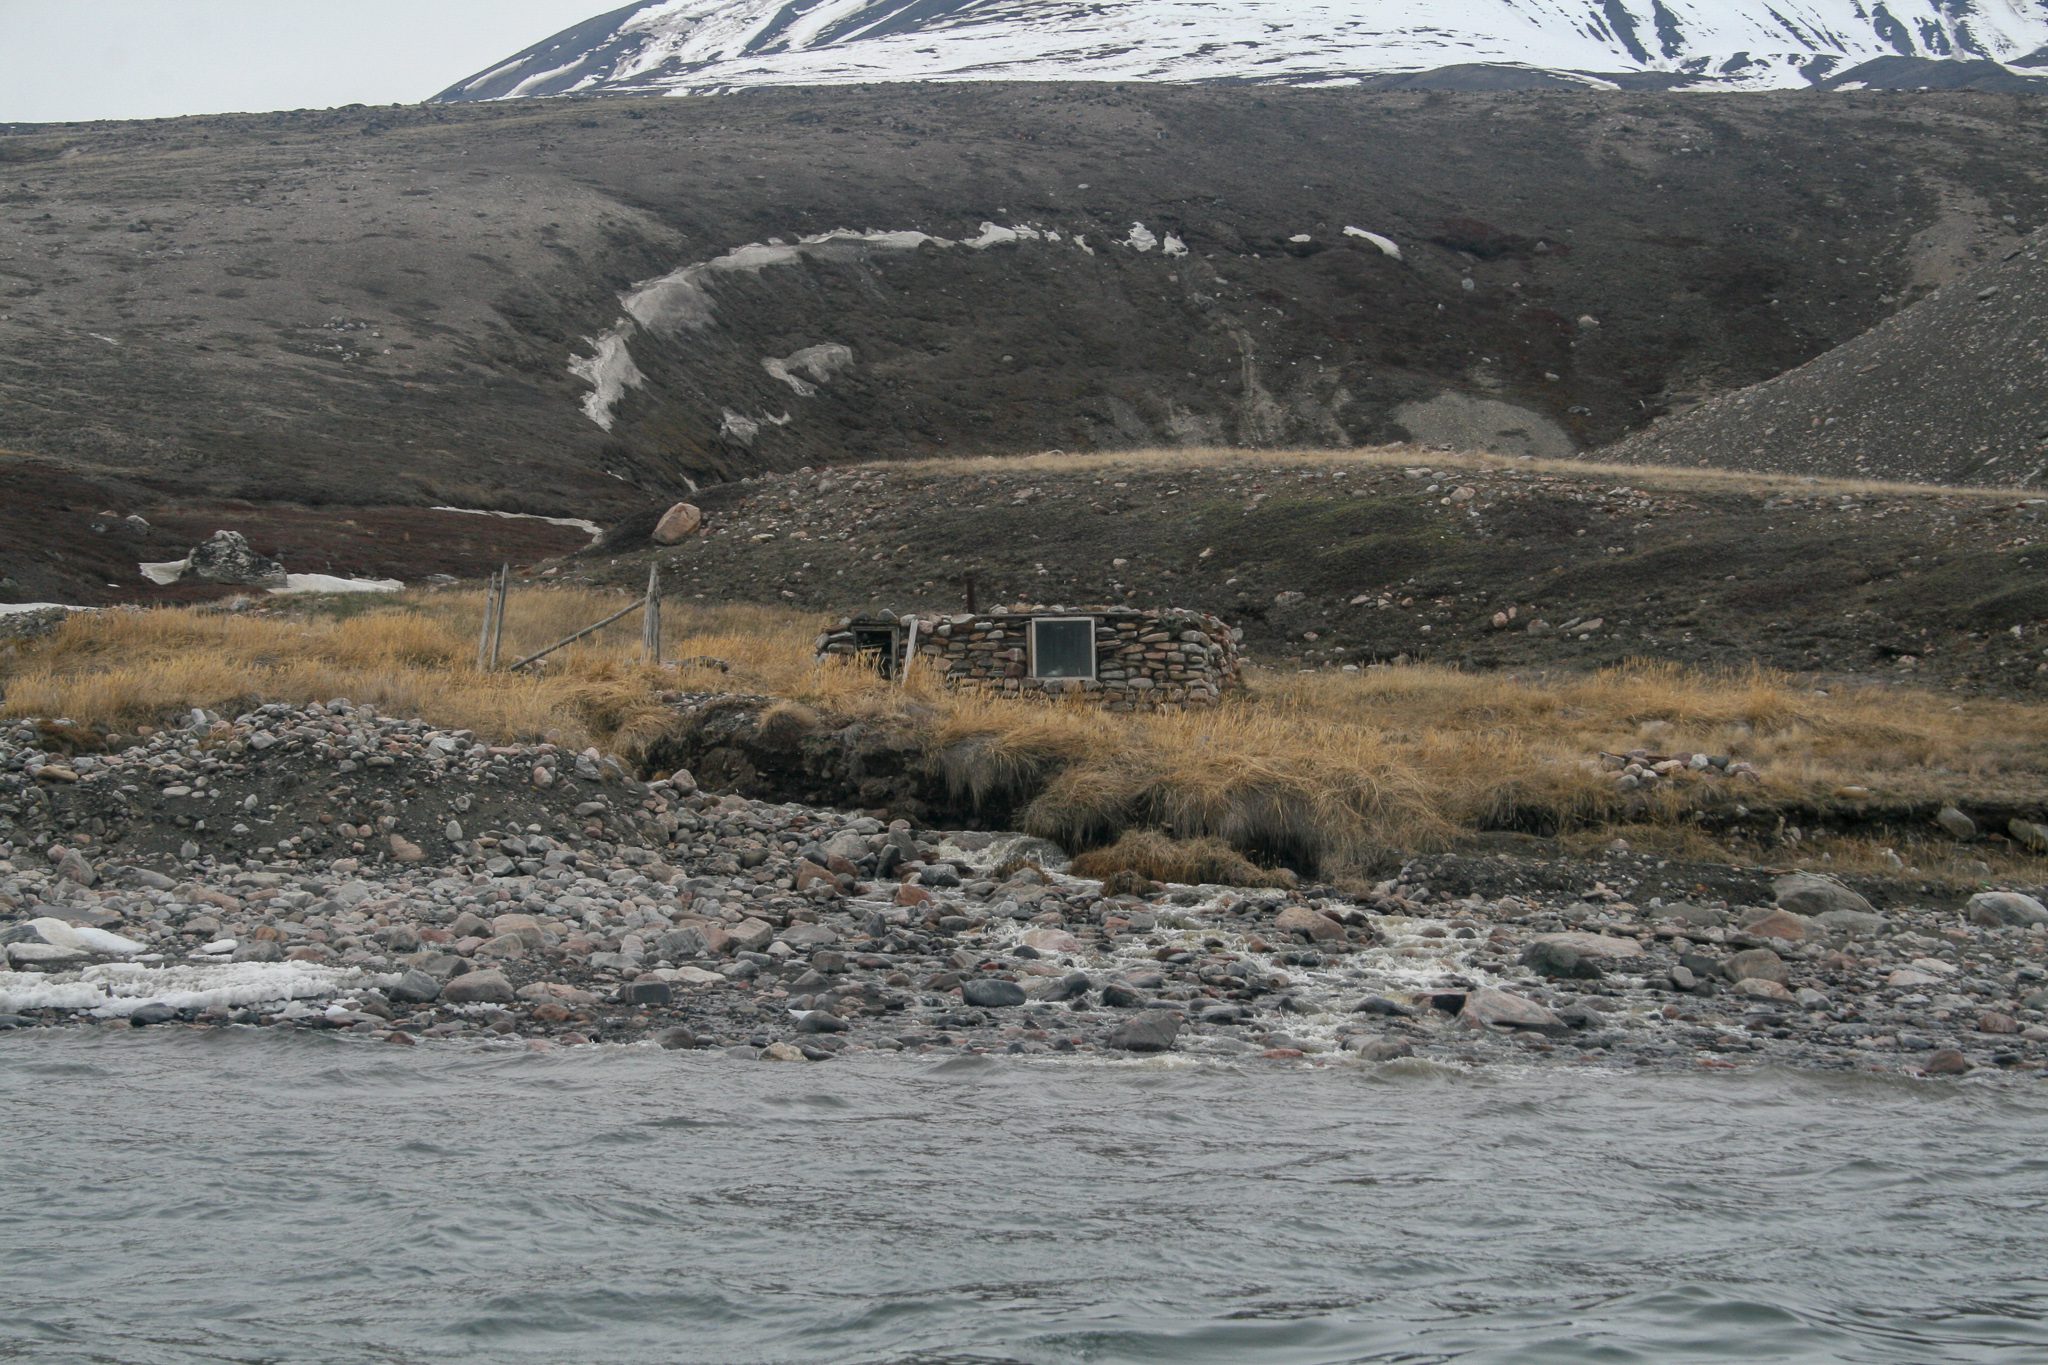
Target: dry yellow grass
x=1311 y=770
x=1156 y=857
x=1670 y=477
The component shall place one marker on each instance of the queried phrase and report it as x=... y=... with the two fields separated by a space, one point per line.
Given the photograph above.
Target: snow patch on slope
x=683 y=300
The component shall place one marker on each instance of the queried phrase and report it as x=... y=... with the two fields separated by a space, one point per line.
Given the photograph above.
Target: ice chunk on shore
x=116 y=990
x=83 y=938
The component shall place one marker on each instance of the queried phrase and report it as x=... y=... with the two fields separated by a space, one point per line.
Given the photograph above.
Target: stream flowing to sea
x=178 y=1196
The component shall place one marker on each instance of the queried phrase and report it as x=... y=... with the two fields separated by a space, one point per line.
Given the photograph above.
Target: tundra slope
x=1956 y=386
x=704 y=46
x=1355 y=558
x=383 y=306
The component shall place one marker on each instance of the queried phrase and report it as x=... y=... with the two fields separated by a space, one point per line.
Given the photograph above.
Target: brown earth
x=65 y=538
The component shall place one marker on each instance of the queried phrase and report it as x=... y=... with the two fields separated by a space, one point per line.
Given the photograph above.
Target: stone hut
x=1126 y=658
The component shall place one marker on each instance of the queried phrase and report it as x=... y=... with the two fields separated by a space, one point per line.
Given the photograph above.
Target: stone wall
x=1144 y=660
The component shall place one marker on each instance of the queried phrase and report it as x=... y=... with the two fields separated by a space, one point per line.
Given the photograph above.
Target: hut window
x=1063 y=647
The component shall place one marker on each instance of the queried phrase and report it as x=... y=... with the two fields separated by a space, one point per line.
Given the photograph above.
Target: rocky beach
x=329 y=867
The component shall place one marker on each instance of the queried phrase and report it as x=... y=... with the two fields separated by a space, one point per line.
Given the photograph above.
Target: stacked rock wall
x=1144 y=660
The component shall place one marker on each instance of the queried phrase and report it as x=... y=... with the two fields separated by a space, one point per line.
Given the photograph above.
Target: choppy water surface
x=209 y=1197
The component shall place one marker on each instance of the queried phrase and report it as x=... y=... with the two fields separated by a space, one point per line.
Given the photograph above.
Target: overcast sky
x=86 y=59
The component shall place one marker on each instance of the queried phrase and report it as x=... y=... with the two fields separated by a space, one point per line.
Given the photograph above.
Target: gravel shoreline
x=327 y=867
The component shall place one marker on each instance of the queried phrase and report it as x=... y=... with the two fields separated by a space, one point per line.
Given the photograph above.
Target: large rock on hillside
x=225 y=557
x=678 y=524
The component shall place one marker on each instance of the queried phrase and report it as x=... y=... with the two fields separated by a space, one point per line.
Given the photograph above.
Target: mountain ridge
x=715 y=46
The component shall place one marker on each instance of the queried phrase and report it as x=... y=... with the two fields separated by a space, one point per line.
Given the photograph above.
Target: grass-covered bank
x=1327 y=769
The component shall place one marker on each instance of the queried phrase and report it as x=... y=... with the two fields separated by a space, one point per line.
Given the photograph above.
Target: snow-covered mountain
x=694 y=46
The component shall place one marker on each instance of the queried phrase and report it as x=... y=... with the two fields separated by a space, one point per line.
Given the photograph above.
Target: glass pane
x=1063 y=649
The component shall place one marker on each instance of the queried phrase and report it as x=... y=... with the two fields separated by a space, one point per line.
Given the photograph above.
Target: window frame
x=1094 y=655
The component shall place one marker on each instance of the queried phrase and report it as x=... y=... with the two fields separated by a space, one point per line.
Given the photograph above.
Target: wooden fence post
x=650 y=624
x=484 y=657
x=498 y=618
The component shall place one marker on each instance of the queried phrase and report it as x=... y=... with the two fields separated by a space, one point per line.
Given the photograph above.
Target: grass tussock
x=1157 y=857
x=1322 y=772
x=1670 y=477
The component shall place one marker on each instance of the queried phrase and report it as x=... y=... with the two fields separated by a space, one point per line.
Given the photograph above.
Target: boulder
x=1854 y=923
x=989 y=993
x=1957 y=824
x=678 y=524
x=2028 y=834
x=1757 y=964
x=414 y=987
x=1779 y=924
x=1152 y=1031
x=645 y=991
x=1310 y=924
x=2004 y=909
x=1945 y=1061
x=1809 y=893
x=225 y=557
x=1501 y=1009
x=1050 y=941
x=751 y=935
x=1578 y=955
x=479 y=988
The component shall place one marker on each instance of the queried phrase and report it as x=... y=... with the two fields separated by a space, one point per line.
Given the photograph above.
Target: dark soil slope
x=358 y=306
x=1330 y=563
x=1955 y=388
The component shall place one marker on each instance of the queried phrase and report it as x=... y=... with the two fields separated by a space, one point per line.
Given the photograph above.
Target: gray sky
x=62 y=60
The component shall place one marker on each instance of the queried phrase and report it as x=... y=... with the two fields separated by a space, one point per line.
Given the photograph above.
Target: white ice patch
x=17 y=608
x=1385 y=244
x=737 y=426
x=321 y=582
x=1174 y=246
x=1300 y=237
x=1141 y=238
x=609 y=370
x=817 y=363
x=682 y=300
x=993 y=234
x=589 y=528
x=166 y=573
x=83 y=938
x=117 y=989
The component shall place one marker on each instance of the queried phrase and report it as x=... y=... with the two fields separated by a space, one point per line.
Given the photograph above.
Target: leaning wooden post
x=483 y=639
x=650 y=623
x=498 y=616
x=592 y=629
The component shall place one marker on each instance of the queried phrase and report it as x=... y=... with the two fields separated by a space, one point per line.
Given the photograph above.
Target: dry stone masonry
x=1128 y=659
